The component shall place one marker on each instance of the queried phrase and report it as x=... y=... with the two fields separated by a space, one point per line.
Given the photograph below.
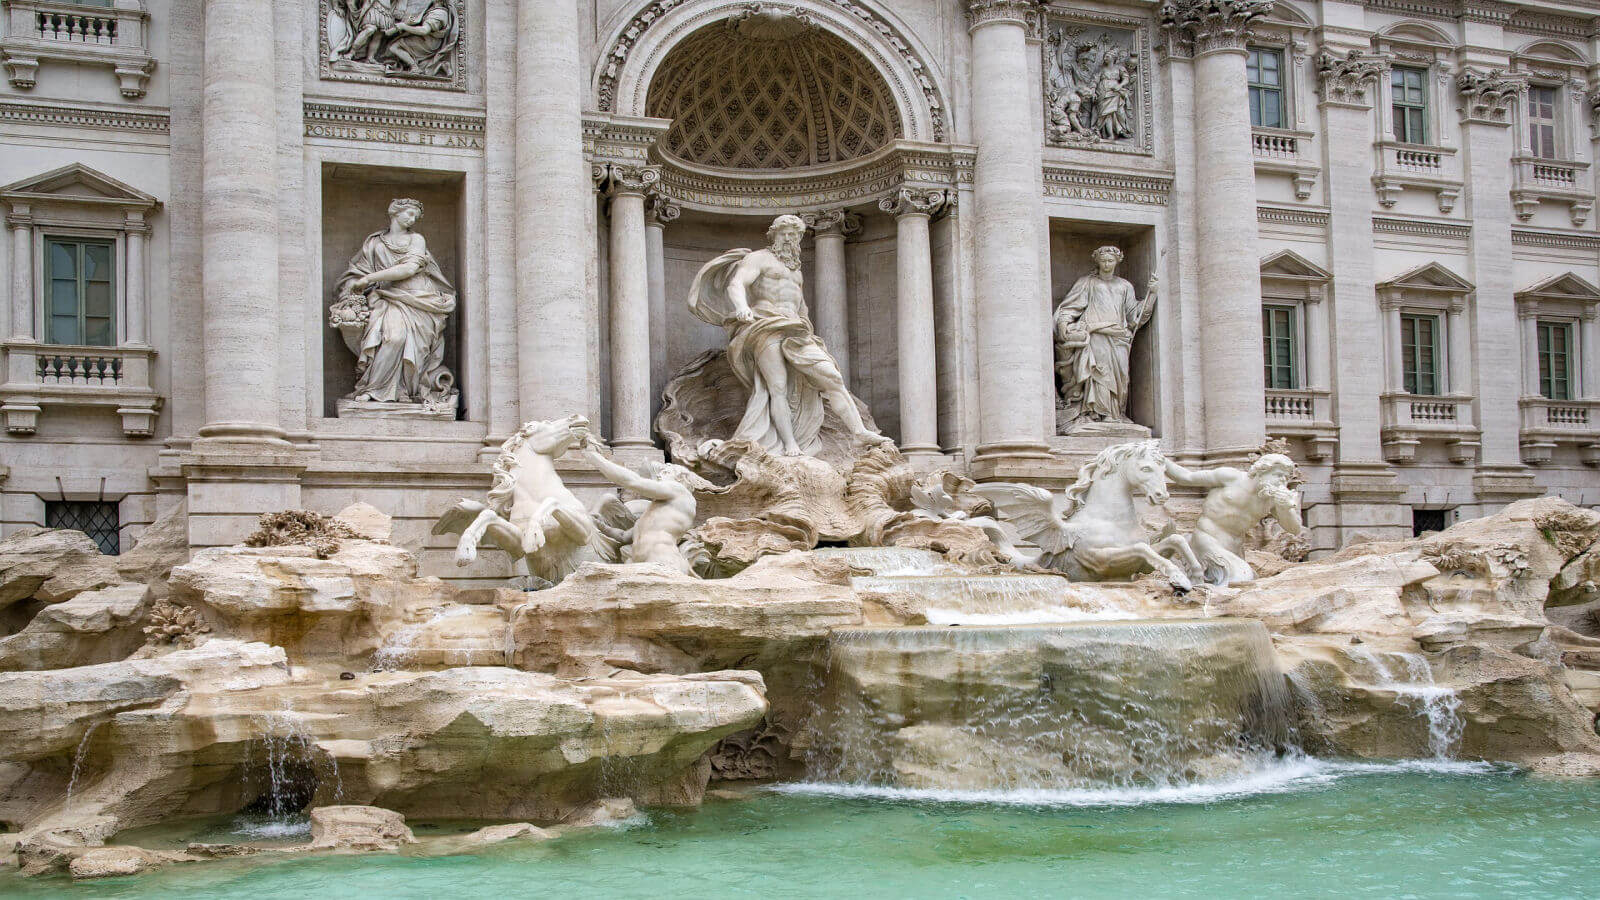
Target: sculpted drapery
x=407 y=301
x=1095 y=325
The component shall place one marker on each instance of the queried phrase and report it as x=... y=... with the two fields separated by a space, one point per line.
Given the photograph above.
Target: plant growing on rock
x=301 y=527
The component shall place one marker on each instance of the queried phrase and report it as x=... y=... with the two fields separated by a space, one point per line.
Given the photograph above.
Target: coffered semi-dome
x=742 y=98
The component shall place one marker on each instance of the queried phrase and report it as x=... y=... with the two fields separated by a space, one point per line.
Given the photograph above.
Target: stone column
x=1013 y=321
x=239 y=196
x=630 y=307
x=1455 y=326
x=659 y=211
x=1395 y=372
x=914 y=333
x=134 y=292
x=1589 y=354
x=1528 y=326
x=553 y=188
x=830 y=291
x=21 y=301
x=1487 y=100
x=1229 y=279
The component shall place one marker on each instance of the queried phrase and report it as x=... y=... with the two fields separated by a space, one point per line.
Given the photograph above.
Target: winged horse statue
x=530 y=513
x=1092 y=532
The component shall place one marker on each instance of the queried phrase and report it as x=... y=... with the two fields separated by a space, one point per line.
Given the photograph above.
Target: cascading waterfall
x=1149 y=702
x=294 y=769
x=1438 y=704
x=77 y=760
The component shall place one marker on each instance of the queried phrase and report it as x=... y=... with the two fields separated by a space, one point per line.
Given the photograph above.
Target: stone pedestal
x=1084 y=439
x=378 y=409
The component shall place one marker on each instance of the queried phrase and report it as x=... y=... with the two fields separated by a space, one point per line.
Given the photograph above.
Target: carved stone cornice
x=1198 y=27
x=1487 y=96
x=620 y=178
x=1487 y=12
x=832 y=221
x=912 y=202
x=59 y=115
x=1020 y=12
x=1345 y=79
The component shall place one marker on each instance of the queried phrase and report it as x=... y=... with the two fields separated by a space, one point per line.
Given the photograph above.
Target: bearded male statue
x=1235 y=502
x=757 y=295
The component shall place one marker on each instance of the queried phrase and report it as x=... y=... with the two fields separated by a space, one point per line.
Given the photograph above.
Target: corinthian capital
x=1021 y=12
x=913 y=202
x=832 y=221
x=1486 y=96
x=1205 y=26
x=1345 y=79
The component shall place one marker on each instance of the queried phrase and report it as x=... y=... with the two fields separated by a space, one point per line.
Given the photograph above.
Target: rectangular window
x=1409 y=98
x=98 y=520
x=1555 y=360
x=1542 y=121
x=79 y=291
x=1280 y=347
x=1264 y=71
x=1424 y=521
x=1419 y=353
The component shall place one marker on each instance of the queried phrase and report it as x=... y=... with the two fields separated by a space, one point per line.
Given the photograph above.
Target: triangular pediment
x=77 y=182
x=1429 y=277
x=1565 y=286
x=1289 y=264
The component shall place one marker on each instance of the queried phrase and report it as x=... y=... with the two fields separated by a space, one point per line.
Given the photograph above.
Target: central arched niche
x=770 y=93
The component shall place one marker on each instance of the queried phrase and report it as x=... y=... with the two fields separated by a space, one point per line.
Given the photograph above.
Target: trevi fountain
x=767 y=622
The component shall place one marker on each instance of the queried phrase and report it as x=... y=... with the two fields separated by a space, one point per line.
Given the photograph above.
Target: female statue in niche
x=1095 y=325
x=392 y=306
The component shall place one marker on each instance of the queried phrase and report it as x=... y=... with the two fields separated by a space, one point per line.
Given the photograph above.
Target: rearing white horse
x=1092 y=532
x=531 y=514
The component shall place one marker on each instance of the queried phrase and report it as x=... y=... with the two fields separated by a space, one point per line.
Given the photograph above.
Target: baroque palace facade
x=1368 y=226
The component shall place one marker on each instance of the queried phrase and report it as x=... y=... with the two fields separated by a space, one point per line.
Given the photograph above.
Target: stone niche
x=1072 y=244
x=355 y=202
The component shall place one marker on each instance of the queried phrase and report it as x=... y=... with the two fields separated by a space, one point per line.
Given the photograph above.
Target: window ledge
x=1283 y=151
x=1547 y=424
x=1410 y=419
x=67 y=32
x=1305 y=413
x=1535 y=179
x=1420 y=166
x=44 y=375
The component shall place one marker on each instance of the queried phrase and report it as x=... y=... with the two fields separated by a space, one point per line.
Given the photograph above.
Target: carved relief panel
x=415 y=43
x=1096 y=84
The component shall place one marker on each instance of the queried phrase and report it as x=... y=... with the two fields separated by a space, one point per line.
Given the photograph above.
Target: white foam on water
x=1278 y=777
x=272 y=829
x=1051 y=615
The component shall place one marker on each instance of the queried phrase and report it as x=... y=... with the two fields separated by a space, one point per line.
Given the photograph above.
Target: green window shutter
x=1280 y=347
x=80 y=292
x=1419 y=354
x=1555 y=360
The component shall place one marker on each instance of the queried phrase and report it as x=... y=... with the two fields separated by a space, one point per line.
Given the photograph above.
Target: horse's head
x=557 y=436
x=1140 y=465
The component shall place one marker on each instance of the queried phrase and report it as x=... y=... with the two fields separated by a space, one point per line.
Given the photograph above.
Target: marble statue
x=651 y=529
x=393 y=302
x=757 y=295
x=530 y=513
x=1236 y=501
x=1095 y=325
x=400 y=38
x=1089 y=88
x=1092 y=532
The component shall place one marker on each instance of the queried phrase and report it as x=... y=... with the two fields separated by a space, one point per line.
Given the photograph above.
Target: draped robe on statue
x=1094 y=375
x=803 y=352
x=400 y=357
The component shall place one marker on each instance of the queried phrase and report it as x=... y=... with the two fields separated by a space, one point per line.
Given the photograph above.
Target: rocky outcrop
x=51 y=565
x=337 y=609
x=358 y=829
x=93 y=627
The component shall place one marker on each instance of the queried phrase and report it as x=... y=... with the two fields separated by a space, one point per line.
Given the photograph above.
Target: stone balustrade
x=1306 y=414
x=1284 y=152
x=1408 y=419
x=1547 y=424
x=45 y=375
x=1419 y=166
x=116 y=37
x=1535 y=179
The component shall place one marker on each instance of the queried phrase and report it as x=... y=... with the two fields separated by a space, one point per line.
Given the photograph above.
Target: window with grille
x=98 y=520
x=1264 y=71
x=1542 y=122
x=1419 y=353
x=1555 y=360
x=1424 y=521
x=1409 y=99
x=79 y=291
x=1280 y=347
